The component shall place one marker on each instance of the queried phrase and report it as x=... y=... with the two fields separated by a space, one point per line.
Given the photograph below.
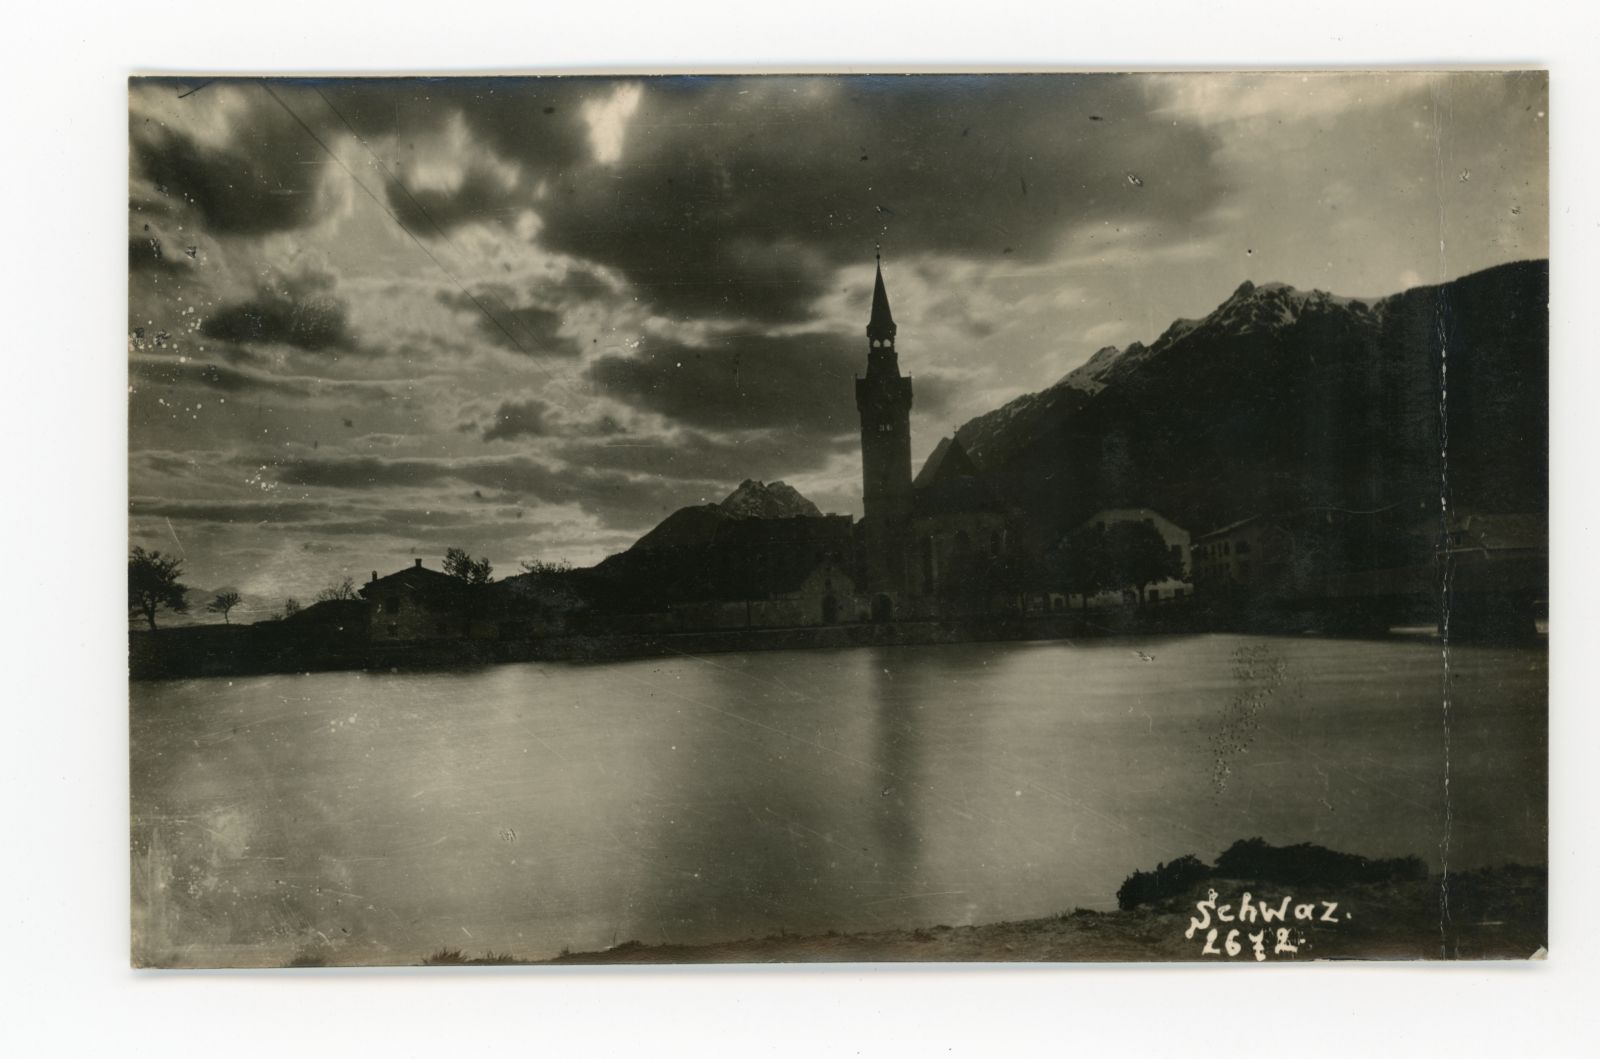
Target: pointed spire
x=882 y=322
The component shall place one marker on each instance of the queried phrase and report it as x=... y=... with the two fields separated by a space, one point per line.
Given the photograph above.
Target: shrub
x=1254 y=860
x=1168 y=880
x=1308 y=864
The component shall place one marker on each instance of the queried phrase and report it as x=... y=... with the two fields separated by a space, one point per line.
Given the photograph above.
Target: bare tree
x=223 y=602
x=153 y=584
x=291 y=607
x=344 y=588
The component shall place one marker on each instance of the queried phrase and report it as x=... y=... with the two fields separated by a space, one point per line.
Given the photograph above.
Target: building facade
x=416 y=604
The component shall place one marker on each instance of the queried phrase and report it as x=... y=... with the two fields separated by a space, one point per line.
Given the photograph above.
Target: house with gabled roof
x=416 y=604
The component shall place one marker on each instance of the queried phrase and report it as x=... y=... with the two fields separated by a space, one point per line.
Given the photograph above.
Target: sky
x=374 y=319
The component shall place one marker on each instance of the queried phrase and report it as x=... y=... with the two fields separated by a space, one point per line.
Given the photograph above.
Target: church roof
x=948 y=460
x=882 y=323
x=949 y=483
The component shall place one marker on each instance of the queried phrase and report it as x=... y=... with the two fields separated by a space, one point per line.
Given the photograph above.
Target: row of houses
x=802 y=571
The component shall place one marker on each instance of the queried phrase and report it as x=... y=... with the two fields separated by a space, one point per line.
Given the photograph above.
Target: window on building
x=1244 y=547
x=391 y=605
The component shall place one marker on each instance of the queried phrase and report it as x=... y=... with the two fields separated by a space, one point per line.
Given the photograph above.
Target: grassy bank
x=1497 y=913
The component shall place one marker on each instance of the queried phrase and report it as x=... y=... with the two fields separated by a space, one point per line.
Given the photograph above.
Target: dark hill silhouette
x=1282 y=400
x=754 y=529
x=693 y=528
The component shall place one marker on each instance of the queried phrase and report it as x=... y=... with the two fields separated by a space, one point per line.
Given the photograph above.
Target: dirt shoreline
x=1497 y=914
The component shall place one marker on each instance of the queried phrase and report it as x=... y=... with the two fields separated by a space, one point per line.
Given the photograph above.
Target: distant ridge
x=776 y=500
x=691 y=529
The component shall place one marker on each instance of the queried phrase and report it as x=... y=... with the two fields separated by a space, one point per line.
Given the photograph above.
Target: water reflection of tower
x=897 y=701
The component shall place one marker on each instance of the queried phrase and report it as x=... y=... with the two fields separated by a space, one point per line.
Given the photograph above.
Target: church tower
x=883 y=398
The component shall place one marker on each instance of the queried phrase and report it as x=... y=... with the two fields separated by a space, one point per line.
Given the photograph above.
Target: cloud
x=536 y=123
x=801 y=175
x=739 y=198
x=481 y=194
x=515 y=419
x=299 y=311
x=146 y=254
x=619 y=500
x=608 y=121
x=170 y=371
x=802 y=384
x=266 y=178
x=230 y=511
x=749 y=382
x=317 y=391
x=361 y=472
x=696 y=456
x=532 y=329
x=1225 y=98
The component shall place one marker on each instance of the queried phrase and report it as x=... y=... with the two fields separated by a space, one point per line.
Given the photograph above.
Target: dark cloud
x=253 y=511
x=799 y=384
x=534 y=418
x=406 y=521
x=515 y=419
x=532 y=329
x=738 y=197
x=146 y=254
x=301 y=311
x=266 y=180
x=170 y=371
x=538 y=122
x=361 y=472
x=480 y=196
x=582 y=284
x=603 y=426
x=696 y=456
x=618 y=499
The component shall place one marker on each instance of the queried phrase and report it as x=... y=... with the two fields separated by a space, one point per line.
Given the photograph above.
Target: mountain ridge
x=1281 y=398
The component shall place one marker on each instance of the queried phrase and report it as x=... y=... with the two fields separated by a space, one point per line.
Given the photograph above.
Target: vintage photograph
x=838 y=518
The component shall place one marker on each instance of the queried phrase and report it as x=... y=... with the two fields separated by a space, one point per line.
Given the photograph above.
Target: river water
x=362 y=818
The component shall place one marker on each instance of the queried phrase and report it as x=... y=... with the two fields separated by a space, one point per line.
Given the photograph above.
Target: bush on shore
x=1256 y=860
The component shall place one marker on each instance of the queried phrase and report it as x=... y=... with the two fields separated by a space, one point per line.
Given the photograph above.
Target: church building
x=920 y=539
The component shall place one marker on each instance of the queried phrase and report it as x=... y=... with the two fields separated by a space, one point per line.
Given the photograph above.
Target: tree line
x=1120 y=557
x=155 y=584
